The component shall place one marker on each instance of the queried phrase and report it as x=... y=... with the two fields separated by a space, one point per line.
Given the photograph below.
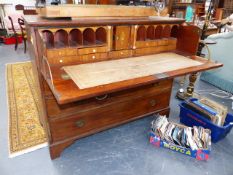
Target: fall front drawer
x=59 y=111
x=99 y=119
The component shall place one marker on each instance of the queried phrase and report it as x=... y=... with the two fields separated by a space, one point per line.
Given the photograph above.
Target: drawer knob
x=156 y=84
x=94 y=50
x=80 y=123
x=122 y=53
x=65 y=76
x=93 y=57
x=101 y=97
x=152 y=102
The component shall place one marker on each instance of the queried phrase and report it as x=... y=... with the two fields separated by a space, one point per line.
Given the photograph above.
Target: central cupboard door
x=121 y=37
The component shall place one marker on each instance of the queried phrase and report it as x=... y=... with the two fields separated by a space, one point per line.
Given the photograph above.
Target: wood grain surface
x=94 y=11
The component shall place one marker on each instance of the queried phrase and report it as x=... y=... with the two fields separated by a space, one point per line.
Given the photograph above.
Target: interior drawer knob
x=93 y=57
x=152 y=102
x=80 y=123
x=94 y=50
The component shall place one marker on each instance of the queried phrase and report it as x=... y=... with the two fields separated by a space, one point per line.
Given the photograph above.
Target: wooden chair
x=15 y=35
x=1 y=22
x=23 y=33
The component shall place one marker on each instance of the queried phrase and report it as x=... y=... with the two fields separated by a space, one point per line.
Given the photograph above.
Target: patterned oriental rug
x=25 y=131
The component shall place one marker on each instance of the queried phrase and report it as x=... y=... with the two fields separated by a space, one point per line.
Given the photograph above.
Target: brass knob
x=101 y=97
x=152 y=102
x=93 y=57
x=65 y=76
x=94 y=50
x=80 y=123
x=156 y=84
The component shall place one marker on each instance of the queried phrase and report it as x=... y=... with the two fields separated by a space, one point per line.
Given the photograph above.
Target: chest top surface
x=36 y=21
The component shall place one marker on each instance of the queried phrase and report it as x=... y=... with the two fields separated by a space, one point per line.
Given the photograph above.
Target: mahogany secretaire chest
x=70 y=112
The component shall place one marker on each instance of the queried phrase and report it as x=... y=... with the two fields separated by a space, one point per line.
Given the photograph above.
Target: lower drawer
x=83 y=123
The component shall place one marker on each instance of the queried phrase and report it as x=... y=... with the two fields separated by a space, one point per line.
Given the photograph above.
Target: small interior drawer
x=56 y=53
x=172 y=41
x=120 y=54
x=51 y=53
x=142 y=44
x=93 y=57
x=162 y=42
x=100 y=118
x=71 y=51
x=146 y=51
x=84 y=51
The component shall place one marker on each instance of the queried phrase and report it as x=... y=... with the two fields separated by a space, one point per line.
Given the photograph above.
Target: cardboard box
x=200 y=154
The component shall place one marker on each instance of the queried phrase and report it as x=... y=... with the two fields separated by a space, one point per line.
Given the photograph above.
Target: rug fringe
x=15 y=154
x=20 y=62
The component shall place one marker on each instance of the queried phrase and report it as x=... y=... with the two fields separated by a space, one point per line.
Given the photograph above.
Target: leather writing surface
x=106 y=72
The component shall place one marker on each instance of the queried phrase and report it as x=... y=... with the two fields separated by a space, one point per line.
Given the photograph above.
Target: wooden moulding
x=75 y=11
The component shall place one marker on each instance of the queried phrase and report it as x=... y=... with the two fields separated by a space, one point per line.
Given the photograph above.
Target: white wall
x=11 y=8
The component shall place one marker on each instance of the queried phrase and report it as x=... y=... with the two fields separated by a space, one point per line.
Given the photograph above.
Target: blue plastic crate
x=192 y=118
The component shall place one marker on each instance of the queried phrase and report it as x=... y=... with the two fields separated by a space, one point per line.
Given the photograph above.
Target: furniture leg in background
x=22 y=27
x=190 y=89
x=15 y=35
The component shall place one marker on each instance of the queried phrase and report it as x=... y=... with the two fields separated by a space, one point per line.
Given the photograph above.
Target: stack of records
x=194 y=138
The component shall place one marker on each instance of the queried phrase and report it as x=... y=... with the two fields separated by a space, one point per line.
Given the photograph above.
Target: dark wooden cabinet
x=71 y=112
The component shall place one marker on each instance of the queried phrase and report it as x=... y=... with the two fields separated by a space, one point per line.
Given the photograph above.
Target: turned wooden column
x=190 y=88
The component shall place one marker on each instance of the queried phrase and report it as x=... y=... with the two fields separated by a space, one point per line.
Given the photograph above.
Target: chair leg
x=25 y=45
x=16 y=41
